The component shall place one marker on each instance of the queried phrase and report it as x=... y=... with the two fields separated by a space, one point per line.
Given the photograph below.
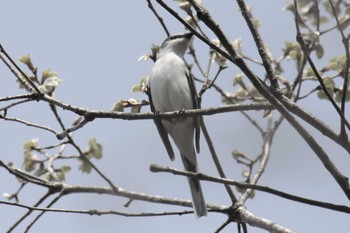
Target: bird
x=171 y=88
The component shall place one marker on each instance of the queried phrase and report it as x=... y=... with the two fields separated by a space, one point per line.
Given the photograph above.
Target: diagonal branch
x=216 y=161
x=160 y=19
x=201 y=176
x=314 y=69
x=275 y=99
x=19 y=74
x=259 y=44
x=345 y=41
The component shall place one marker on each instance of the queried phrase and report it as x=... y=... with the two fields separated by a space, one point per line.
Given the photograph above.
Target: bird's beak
x=188 y=35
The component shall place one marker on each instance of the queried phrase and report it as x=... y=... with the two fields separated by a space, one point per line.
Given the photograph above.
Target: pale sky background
x=94 y=47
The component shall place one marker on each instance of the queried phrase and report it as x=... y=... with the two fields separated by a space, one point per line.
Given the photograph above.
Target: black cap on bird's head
x=177 y=44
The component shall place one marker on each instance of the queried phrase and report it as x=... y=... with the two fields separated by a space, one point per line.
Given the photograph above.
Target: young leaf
x=49 y=81
x=25 y=59
x=339 y=96
x=62 y=173
x=30 y=145
x=329 y=83
x=29 y=162
x=136 y=88
x=95 y=149
x=118 y=106
x=319 y=51
x=85 y=167
x=337 y=63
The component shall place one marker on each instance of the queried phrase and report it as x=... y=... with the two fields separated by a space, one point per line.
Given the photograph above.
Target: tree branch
x=259 y=44
x=274 y=98
x=314 y=69
x=201 y=176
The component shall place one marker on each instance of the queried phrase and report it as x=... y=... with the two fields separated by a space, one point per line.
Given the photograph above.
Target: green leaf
x=241 y=92
x=29 y=162
x=25 y=59
x=309 y=72
x=185 y=6
x=339 y=96
x=238 y=79
x=118 y=106
x=136 y=88
x=191 y=22
x=311 y=37
x=321 y=95
x=347 y=11
x=63 y=171
x=337 y=63
x=47 y=74
x=30 y=145
x=135 y=109
x=95 y=149
x=319 y=51
x=85 y=167
x=41 y=170
x=49 y=81
x=237 y=45
x=256 y=23
x=329 y=83
x=219 y=59
x=293 y=50
x=155 y=48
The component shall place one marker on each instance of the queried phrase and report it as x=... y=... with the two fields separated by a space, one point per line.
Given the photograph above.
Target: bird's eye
x=174 y=37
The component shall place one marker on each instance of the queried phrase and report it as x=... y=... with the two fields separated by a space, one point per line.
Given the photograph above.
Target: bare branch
x=259 y=44
x=345 y=41
x=160 y=19
x=216 y=160
x=27 y=123
x=96 y=212
x=314 y=69
x=201 y=176
x=18 y=72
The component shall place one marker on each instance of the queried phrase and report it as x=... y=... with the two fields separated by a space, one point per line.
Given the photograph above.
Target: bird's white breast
x=169 y=85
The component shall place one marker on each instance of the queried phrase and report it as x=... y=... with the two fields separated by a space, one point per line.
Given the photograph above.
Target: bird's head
x=177 y=44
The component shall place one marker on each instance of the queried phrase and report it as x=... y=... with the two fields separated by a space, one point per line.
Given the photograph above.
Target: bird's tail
x=199 y=205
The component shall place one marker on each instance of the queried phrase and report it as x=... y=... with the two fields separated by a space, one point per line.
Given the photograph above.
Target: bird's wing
x=196 y=105
x=162 y=132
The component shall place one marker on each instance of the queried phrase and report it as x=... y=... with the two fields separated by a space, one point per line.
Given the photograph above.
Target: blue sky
x=94 y=47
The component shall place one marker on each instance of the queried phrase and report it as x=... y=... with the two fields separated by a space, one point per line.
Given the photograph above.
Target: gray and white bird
x=171 y=88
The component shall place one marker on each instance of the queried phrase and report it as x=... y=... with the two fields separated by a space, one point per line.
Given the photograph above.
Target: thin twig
x=275 y=99
x=259 y=44
x=160 y=19
x=201 y=176
x=225 y=224
x=345 y=41
x=10 y=63
x=267 y=141
x=22 y=96
x=41 y=200
x=97 y=212
x=14 y=104
x=42 y=213
x=216 y=160
x=27 y=123
x=314 y=69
